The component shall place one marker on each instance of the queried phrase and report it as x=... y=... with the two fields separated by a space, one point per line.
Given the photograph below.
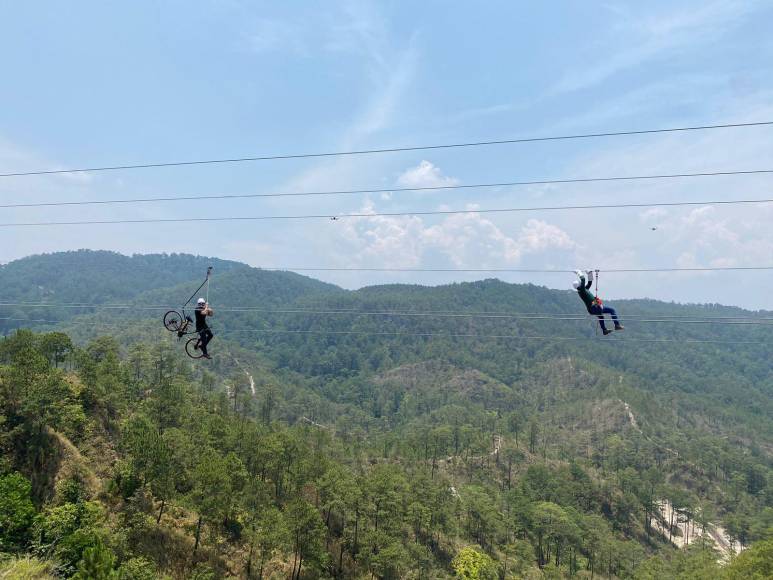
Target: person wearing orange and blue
x=593 y=303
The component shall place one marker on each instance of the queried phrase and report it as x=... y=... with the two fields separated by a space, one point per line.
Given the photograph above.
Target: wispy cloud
x=657 y=36
x=359 y=28
x=390 y=72
x=425 y=174
x=267 y=35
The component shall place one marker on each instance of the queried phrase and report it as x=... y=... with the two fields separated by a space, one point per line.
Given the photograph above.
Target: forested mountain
x=382 y=432
x=98 y=276
x=108 y=278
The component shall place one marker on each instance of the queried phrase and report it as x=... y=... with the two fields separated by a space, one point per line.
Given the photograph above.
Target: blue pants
x=600 y=311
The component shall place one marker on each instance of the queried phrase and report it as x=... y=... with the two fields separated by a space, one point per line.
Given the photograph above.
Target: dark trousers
x=205 y=335
x=600 y=311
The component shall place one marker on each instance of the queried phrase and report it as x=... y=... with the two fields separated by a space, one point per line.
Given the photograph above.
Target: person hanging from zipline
x=205 y=334
x=593 y=303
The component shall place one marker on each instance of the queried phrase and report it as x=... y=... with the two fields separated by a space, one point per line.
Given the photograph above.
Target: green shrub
x=16 y=511
x=137 y=569
x=97 y=563
x=756 y=563
x=470 y=564
x=67 y=531
x=202 y=572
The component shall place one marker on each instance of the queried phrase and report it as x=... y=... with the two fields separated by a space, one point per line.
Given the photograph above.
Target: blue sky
x=100 y=83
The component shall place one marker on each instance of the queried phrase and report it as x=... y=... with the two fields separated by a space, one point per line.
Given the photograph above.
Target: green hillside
x=375 y=433
x=109 y=278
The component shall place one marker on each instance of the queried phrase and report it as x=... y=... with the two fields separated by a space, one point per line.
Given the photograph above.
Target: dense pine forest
x=372 y=433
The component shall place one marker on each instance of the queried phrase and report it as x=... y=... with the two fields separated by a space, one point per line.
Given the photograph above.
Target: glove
x=590 y=275
x=579 y=273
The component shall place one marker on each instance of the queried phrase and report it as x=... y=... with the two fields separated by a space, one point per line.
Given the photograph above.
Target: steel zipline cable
x=467 y=144
x=330 y=216
x=540 y=316
x=387 y=190
x=504 y=270
x=492 y=336
x=453 y=335
x=515 y=270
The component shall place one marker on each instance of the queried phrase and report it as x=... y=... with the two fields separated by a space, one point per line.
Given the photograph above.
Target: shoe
x=196 y=346
x=619 y=327
x=206 y=356
x=606 y=331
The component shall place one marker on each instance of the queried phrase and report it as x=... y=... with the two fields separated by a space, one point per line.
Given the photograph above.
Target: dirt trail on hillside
x=631 y=418
x=689 y=533
x=497 y=444
x=314 y=423
x=246 y=372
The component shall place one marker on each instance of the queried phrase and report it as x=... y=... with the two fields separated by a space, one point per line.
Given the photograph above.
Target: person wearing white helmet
x=205 y=334
x=593 y=303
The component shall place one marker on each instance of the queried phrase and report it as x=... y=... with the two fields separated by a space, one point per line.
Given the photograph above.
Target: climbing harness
x=597 y=300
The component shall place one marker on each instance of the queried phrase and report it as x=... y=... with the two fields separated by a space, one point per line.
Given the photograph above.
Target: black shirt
x=201 y=319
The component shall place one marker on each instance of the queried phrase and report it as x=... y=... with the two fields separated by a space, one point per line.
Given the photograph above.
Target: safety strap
x=205 y=282
x=209 y=271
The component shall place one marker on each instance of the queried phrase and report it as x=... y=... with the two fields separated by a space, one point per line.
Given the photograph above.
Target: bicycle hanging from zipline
x=181 y=322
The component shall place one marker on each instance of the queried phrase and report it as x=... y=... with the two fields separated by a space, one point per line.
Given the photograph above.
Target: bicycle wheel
x=191 y=348
x=173 y=320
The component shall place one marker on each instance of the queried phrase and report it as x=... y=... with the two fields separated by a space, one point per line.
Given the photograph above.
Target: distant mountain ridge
x=102 y=277
x=99 y=276
x=362 y=333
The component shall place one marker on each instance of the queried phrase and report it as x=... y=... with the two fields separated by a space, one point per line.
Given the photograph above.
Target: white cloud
x=715 y=236
x=463 y=240
x=425 y=174
x=653 y=214
x=538 y=235
x=391 y=241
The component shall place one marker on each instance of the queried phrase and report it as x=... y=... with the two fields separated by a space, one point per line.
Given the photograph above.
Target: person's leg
x=601 y=323
x=204 y=337
x=613 y=313
x=598 y=312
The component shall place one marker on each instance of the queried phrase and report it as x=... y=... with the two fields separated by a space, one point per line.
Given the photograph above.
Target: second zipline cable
x=329 y=216
x=389 y=149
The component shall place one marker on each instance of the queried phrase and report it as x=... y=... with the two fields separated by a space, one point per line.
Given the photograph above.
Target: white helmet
x=201 y=301
x=576 y=284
